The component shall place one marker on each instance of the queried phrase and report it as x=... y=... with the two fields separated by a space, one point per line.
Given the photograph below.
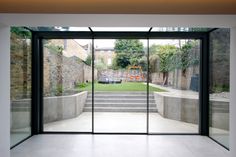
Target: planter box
x=55 y=109
x=186 y=109
x=63 y=107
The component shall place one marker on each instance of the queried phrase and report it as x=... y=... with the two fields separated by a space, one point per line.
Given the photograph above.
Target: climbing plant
x=187 y=56
x=171 y=57
x=21 y=32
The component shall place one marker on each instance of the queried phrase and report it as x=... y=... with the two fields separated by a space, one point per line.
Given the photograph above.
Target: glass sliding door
x=121 y=85
x=219 y=73
x=20 y=84
x=67 y=77
x=120 y=92
x=174 y=71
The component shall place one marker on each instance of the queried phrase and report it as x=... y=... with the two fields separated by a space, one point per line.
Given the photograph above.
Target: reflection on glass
x=57 y=28
x=67 y=85
x=20 y=84
x=180 y=29
x=120 y=76
x=219 y=85
x=120 y=29
x=174 y=70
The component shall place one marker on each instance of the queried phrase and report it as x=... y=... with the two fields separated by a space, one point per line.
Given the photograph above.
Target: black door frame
x=37 y=72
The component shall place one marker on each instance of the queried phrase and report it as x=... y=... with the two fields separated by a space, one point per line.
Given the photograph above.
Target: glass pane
x=219 y=85
x=174 y=71
x=20 y=84
x=180 y=29
x=57 y=28
x=67 y=80
x=120 y=103
x=121 y=29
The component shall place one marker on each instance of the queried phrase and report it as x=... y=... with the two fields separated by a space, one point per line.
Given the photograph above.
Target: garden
x=125 y=86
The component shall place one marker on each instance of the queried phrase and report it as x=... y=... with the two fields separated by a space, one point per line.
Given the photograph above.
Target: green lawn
x=124 y=86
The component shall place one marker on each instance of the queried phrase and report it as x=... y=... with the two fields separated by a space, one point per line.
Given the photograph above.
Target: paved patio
x=121 y=122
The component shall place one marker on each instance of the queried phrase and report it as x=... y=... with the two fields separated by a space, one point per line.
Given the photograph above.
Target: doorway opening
x=120 y=82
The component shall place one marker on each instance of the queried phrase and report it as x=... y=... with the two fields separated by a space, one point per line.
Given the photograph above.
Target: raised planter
x=63 y=107
x=55 y=109
x=186 y=109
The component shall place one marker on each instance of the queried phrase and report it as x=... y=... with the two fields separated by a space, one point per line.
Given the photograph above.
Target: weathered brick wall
x=118 y=74
x=70 y=48
x=64 y=71
x=20 y=67
x=219 y=57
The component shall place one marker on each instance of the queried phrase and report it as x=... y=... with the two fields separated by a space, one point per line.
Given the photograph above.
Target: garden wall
x=55 y=109
x=117 y=74
x=219 y=65
x=63 y=107
x=219 y=58
x=20 y=67
x=65 y=72
x=177 y=79
x=186 y=109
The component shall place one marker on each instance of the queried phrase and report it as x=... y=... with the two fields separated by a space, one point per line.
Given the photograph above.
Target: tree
x=154 y=49
x=167 y=54
x=128 y=52
x=171 y=57
x=188 y=57
x=88 y=60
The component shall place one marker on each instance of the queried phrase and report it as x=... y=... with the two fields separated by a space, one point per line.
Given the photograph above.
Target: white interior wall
x=118 y=20
x=4 y=91
x=101 y=20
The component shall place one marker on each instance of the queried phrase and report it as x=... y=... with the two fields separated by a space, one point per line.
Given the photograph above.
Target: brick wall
x=219 y=57
x=20 y=67
x=64 y=71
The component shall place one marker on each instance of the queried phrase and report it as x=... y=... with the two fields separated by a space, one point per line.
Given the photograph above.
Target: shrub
x=81 y=85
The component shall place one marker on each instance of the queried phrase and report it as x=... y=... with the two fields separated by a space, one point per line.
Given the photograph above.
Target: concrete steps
x=120 y=102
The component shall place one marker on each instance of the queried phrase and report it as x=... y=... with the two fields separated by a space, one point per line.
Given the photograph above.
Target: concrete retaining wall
x=219 y=114
x=20 y=114
x=177 y=108
x=63 y=107
x=55 y=109
x=186 y=109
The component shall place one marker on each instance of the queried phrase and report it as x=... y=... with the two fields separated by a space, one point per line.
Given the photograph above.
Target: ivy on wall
x=21 y=32
x=171 y=57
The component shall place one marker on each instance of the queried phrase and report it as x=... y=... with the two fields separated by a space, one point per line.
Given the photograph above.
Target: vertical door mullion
x=204 y=91
x=147 y=86
x=41 y=105
x=93 y=58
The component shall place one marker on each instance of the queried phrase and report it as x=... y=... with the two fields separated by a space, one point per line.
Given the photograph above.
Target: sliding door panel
x=67 y=77
x=20 y=84
x=219 y=85
x=120 y=92
x=174 y=73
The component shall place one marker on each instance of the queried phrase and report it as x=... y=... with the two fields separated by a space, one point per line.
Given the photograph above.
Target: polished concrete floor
x=119 y=146
x=121 y=122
